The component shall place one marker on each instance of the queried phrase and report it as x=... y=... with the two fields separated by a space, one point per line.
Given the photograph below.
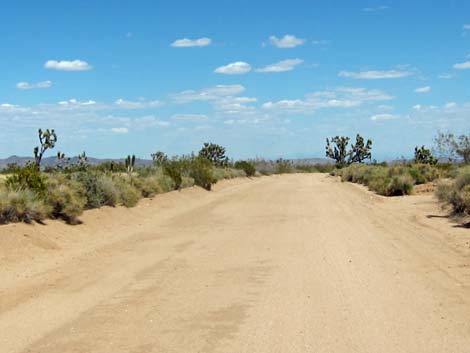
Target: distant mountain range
x=52 y=161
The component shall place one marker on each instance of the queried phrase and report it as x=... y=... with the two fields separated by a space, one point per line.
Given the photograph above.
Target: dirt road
x=297 y=263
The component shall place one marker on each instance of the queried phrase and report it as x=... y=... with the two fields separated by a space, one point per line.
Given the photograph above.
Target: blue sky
x=263 y=78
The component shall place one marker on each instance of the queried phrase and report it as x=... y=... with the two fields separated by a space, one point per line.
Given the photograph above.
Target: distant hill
x=52 y=161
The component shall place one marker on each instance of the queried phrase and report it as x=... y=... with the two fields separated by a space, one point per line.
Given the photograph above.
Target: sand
x=293 y=263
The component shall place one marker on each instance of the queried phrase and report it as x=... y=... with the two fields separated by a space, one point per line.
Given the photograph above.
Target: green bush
x=22 y=206
x=456 y=193
x=247 y=167
x=66 y=198
x=93 y=192
x=108 y=190
x=148 y=186
x=201 y=171
x=174 y=169
x=387 y=181
x=187 y=182
x=129 y=196
x=423 y=173
x=28 y=177
x=399 y=185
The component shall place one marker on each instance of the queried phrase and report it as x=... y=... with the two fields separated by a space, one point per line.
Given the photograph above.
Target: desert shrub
x=218 y=173
x=187 y=182
x=148 y=186
x=28 y=177
x=283 y=166
x=231 y=173
x=399 y=185
x=108 y=190
x=129 y=195
x=66 y=198
x=167 y=184
x=22 y=206
x=93 y=192
x=387 y=181
x=456 y=193
x=174 y=169
x=423 y=173
x=247 y=167
x=201 y=170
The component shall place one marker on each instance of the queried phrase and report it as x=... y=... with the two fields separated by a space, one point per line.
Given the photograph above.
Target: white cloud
x=446 y=76
x=194 y=118
x=282 y=66
x=27 y=85
x=450 y=105
x=208 y=94
x=425 y=89
x=376 y=9
x=374 y=74
x=64 y=65
x=186 y=42
x=236 y=68
x=120 y=130
x=76 y=104
x=140 y=104
x=466 y=27
x=462 y=66
x=342 y=97
x=380 y=117
x=288 y=41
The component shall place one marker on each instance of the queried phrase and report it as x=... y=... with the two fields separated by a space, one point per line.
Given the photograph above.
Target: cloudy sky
x=263 y=78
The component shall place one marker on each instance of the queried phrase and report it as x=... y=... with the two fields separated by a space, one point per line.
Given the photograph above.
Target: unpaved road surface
x=297 y=263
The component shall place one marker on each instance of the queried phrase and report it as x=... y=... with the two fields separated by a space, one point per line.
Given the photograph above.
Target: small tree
x=47 y=139
x=424 y=155
x=450 y=147
x=337 y=149
x=215 y=154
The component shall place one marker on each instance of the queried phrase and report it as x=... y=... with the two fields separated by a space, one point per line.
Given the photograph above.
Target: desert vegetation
x=446 y=168
x=33 y=193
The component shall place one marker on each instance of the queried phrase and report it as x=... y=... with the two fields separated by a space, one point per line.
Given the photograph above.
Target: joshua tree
x=82 y=159
x=215 y=154
x=159 y=157
x=62 y=160
x=47 y=139
x=423 y=155
x=337 y=149
x=130 y=163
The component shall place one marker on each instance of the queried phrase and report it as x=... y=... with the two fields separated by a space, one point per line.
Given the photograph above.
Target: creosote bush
x=65 y=197
x=22 y=206
x=456 y=193
x=247 y=167
x=395 y=180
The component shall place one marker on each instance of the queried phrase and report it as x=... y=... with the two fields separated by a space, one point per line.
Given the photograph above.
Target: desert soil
x=296 y=263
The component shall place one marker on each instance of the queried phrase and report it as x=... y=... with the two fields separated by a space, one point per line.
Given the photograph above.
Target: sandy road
x=298 y=263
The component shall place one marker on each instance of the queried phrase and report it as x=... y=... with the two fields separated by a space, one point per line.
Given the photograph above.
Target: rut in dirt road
x=298 y=263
